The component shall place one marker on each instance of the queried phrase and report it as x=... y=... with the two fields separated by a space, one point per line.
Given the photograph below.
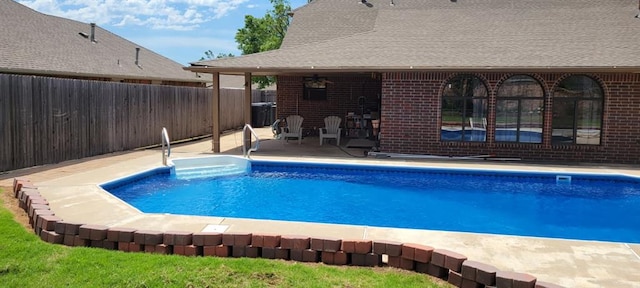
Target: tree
x=209 y=55
x=264 y=34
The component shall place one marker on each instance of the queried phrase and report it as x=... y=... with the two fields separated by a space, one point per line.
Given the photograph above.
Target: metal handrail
x=246 y=152
x=165 y=139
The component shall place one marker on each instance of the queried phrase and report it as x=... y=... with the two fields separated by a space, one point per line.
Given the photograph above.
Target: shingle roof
x=32 y=42
x=443 y=34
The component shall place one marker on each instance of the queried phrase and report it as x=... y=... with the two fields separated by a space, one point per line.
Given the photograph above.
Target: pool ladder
x=246 y=152
x=165 y=140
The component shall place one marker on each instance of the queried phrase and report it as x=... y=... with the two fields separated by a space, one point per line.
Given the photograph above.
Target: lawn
x=26 y=261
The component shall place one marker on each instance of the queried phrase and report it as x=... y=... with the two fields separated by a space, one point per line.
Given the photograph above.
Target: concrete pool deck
x=71 y=190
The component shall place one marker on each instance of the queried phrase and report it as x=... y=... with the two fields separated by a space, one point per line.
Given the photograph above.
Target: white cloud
x=178 y=15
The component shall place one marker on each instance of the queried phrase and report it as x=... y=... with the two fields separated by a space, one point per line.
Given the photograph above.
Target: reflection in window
x=577 y=111
x=315 y=88
x=464 y=109
x=519 y=110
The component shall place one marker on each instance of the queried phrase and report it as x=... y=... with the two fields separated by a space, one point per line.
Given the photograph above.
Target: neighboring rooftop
x=401 y=35
x=39 y=44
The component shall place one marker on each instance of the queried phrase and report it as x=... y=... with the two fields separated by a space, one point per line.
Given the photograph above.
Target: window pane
x=506 y=120
x=563 y=115
x=452 y=119
x=578 y=86
x=463 y=104
x=588 y=117
x=520 y=86
x=477 y=131
x=531 y=121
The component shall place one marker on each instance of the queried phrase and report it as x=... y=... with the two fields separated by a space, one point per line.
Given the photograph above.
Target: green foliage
x=264 y=34
x=26 y=261
x=209 y=55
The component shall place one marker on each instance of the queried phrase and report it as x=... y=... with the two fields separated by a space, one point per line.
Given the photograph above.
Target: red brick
x=149 y=248
x=271 y=241
x=257 y=240
x=37 y=214
x=135 y=247
x=68 y=240
x=349 y=245
x=417 y=252
x=268 y=253
x=253 y=252
x=207 y=239
x=509 y=279
x=209 y=250
x=363 y=246
x=242 y=239
x=96 y=243
x=341 y=258
x=223 y=250
x=390 y=248
x=238 y=251
x=186 y=250
x=177 y=238
x=295 y=255
x=295 y=242
x=71 y=228
x=148 y=237
x=401 y=262
x=332 y=244
x=317 y=244
x=48 y=222
x=163 y=249
x=93 y=232
x=467 y=283
x=327 y=257
x=53 y=237
x=110 y=245
x=123 y=246
x=455 y=278
x=281 y=253
x=479 y=272
x=77 y=241
x=228 y=239
x=437 y=271
x=310 y=255
x=34 y=207
x=448 y=259
x=120 y=234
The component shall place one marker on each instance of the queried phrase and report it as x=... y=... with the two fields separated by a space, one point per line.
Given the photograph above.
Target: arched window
x=577 y=111
x=464 y=109
x=519 y=110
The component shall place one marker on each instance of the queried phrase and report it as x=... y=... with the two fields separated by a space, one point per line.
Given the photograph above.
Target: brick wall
x=342 y=97
x=410 y=115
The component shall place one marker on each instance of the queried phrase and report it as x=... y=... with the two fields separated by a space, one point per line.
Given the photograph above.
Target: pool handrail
x=165 y=139
x=246 y=152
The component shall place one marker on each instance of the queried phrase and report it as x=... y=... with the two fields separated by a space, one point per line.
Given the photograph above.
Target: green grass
x=26 y=261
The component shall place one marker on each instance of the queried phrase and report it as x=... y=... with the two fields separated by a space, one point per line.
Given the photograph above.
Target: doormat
x=360 y=143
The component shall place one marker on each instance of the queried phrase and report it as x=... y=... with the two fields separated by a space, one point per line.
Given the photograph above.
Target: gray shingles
x=32 y=42
x=333 y=34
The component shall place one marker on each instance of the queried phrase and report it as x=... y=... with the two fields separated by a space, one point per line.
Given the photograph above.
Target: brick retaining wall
x=441 y=263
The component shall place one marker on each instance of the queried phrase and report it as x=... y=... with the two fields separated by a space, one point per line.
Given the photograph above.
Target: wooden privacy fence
x=48 y=120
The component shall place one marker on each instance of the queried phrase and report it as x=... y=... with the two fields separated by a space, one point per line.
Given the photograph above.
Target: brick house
x=539 y=80
x=32 y=43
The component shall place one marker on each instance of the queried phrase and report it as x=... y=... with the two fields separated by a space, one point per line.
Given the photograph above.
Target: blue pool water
x=501 y=135
x=590 y=207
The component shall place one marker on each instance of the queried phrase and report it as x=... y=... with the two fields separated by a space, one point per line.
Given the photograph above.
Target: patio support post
x=215 y=136
x=247 y=107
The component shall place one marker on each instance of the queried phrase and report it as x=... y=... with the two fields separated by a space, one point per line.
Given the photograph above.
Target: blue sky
x=181 y=30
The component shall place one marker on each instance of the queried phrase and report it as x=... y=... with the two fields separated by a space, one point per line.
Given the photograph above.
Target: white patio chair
x=331 y=129
x=293 y=129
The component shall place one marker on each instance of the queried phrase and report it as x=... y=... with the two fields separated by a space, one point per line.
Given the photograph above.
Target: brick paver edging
x=448 y=265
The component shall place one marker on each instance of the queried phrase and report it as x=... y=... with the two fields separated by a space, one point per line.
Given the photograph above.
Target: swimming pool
x=573 y=206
